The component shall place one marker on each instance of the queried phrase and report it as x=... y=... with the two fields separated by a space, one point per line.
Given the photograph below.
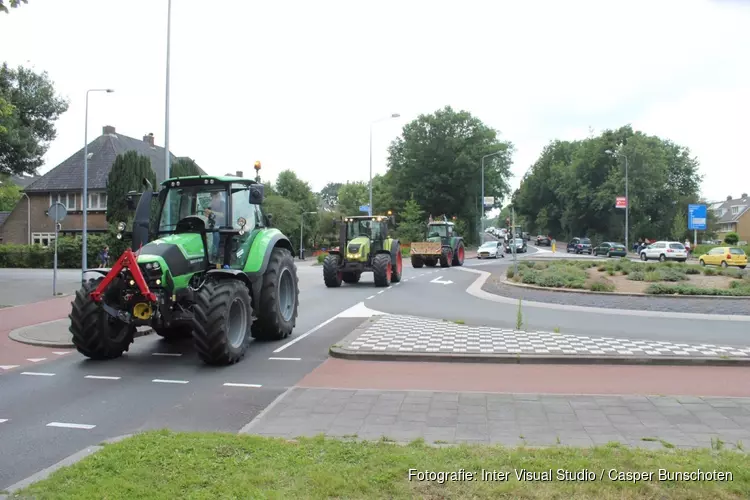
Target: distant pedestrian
x=104 y=257
x=687 y=246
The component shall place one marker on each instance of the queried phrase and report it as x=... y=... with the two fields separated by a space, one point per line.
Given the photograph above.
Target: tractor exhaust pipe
x=142 y=216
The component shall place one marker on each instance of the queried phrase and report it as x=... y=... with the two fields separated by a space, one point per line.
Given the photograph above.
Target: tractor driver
x=217 y=209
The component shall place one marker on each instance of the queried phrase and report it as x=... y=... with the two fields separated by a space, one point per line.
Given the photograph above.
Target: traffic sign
x=489 y=201
x=697 y=215
x=364 y=208
x=57 y=211
x=621 y=202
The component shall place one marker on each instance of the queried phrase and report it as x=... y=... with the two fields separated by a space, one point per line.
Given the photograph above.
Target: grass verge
x=166 y=465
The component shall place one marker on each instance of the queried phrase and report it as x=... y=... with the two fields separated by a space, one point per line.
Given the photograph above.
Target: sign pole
x=54 y=272
x=513 y=240
x=57 y=212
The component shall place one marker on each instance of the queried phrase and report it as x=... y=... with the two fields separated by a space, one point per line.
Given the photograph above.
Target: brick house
x=64 y=183
x=733 y=216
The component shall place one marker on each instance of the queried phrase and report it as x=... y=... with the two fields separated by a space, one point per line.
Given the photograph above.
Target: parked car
x=491 y=250
x=611 y=249
x=580 y=245
x=665 y=250
x=543 y=240
x=724 y=257
x=520 y=246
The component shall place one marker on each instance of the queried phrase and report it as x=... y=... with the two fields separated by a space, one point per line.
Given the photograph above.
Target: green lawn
x=166 y=465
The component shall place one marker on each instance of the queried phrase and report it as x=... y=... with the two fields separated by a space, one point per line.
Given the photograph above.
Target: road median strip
x=410 y=338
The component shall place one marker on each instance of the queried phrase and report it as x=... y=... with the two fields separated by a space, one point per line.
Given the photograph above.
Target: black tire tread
x=417 y=262
x=395 y=275
x=269 y=324
x=331 y=271
x=446 y=257
x=379 y=269
x=210 y=329
x=457 y=262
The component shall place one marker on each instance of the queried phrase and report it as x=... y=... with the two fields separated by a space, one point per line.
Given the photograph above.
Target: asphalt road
x=108 y=399
x=25 y=286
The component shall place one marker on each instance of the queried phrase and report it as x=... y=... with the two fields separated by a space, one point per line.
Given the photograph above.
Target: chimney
x=149 y=138
x=729 y=198
x=744 y=195
x=239 y=173
x=108 y=129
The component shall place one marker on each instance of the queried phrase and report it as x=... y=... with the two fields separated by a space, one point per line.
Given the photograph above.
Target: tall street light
x=167 y=159
x=482 y=212
x=627 y=198
x=84 y=248
x=301 y=226
x=394 y=115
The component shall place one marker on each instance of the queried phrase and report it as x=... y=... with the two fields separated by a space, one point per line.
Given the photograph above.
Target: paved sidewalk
x=395 y=337
x=509 y=419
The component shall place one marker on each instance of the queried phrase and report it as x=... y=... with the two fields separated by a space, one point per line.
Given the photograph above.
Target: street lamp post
x=167 y=159
x=482 y=212
x=301 y=232
x=627 y=197
x=84 y=205
x=394 y=115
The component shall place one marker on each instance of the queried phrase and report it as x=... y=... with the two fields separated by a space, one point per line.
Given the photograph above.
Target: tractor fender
x=229 y=274
x=278 y=240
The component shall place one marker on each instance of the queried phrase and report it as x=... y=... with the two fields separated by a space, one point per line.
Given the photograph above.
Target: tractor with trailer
x=216 y=270
x=443 y=245
x=364 y=246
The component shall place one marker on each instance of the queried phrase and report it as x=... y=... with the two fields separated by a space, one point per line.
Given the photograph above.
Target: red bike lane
x=17 y=355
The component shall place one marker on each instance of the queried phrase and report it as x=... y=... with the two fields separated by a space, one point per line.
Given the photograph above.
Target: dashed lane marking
x=391 y=286
x=35 y=360
x=286 y=359
x=381 y=291
x=175 y=354
x=102 y=377
x=39 y=374
x=232 y=384
x=3 y=420
x=164 y=381
x=61 y=353
x=8 y=367
x=370 y=297
x=67 y=425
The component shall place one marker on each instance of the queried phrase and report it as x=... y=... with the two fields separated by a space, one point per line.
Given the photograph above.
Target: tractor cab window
x=241 y=207
x=440 y=230
x=208 y=203
x=362 y=227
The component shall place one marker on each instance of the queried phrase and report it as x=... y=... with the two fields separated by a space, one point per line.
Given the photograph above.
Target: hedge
x=68 y=253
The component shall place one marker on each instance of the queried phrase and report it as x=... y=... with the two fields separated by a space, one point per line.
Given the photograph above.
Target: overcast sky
x=296 y=84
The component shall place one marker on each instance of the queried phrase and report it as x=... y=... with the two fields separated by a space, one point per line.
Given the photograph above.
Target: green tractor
x=364 y=246
x=443 y=246
x=217 y=271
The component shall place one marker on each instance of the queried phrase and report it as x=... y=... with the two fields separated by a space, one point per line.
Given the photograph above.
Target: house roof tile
x=726 y=208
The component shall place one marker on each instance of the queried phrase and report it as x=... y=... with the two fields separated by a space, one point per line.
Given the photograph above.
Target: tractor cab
x=364 y=231
x=441 y=232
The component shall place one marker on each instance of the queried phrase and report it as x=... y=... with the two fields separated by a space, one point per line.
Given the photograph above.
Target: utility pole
x=513 y=239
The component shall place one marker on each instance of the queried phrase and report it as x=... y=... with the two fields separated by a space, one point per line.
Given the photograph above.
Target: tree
x=29 y=122
x=13 y=4
x=10 y=193
x=411 y=225
x=330 y=193
x=352 y=195
x=382 y=195
x=286 y=216
x=184 y=167
x=731 y=238
x=291 y=187
x=438 y=159
x=127 y=174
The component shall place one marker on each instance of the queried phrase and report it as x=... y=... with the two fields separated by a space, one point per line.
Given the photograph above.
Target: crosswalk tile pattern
x=413 y=334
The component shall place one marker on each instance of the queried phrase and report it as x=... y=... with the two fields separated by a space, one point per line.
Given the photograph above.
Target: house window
x=97 y=201
x=44 y=239
x=735 y=210
x=70 y=200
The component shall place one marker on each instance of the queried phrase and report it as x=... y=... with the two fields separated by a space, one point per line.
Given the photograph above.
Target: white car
x=491 y=250
x=665 y=250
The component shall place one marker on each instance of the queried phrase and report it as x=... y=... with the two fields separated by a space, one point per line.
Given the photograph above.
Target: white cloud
x=296 y=84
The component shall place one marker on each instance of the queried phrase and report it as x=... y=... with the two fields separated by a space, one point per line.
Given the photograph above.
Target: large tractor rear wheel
x=382 y=269
x=398 y=268
x=279 y=298
x=446 y=257
x=96 y=334
x=459 y=255
x=416 y=261
x=223 y=315
x=351 y=277
x=331 y=274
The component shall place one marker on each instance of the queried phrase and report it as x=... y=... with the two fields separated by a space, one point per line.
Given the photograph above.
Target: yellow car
x=725 y=257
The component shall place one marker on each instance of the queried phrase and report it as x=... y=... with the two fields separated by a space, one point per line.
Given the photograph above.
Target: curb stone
x=17 y=335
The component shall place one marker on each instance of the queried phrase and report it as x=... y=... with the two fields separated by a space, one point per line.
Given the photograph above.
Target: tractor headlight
x=241 y=222
x=119 y=236
x=121 y=226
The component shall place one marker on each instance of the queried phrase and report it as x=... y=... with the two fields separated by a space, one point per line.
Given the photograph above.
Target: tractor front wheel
x=331 y=274
x=279 y=298
x=223 y=315
x=96 y=334
x=382 y=269
x=446 y=257
x=398 y=267
x=459 y=255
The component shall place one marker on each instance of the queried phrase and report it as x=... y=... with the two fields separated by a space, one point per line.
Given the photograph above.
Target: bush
x=68 y=253
x=731 y=238
x=710 y=271
x=692 y=270
x=510 y=273
x=637 y=276
x=732 y=273
x=322 y=256
x=601 y=269
x=662 y=289
x=602 y=286
x=652 y=276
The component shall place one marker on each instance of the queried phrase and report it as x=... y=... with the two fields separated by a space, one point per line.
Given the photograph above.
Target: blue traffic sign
x=697 y=215
x=364 y=208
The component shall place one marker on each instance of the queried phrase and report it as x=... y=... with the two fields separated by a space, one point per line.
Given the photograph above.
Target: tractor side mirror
x=256 y=194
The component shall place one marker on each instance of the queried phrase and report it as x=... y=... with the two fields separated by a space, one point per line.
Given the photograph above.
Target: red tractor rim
x=398 y=263
x=388 y=272
x=461 y=254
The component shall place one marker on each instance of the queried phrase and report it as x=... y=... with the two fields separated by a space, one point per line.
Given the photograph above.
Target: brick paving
x=409 y=334
x=509 y=419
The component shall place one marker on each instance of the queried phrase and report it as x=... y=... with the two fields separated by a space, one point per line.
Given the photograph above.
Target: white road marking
x=66 y=425
x=61 y=353
x=8 y=367
x=38 y=374
x=175 y=354
x=232 y=384
x=391 y=286
x=381 y=291
x=368 y=298
x=3 y=420
x=356 y=311
x=287 y=359
x=163 y=381
x=35 y=360
x=102 y=377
